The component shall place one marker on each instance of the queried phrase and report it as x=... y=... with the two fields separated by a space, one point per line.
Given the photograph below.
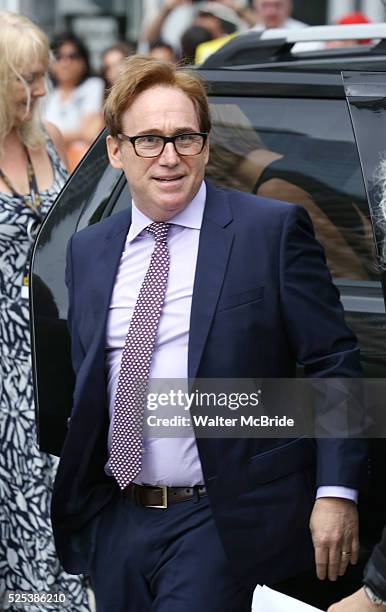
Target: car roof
x=289 y=49
x=361 y=31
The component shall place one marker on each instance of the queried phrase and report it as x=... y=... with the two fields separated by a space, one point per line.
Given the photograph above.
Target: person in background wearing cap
x=221 y=21
x=349 y=19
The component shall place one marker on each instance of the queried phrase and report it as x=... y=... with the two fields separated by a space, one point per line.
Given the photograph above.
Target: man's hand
x=334 y=530
x=358 y=602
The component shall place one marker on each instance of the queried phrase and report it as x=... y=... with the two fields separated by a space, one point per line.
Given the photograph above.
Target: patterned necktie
x=126 y=444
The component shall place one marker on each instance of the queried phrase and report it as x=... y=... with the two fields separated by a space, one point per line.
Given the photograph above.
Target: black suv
x=288 y=126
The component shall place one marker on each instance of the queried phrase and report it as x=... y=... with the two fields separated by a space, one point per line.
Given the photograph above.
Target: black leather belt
x=162 y=496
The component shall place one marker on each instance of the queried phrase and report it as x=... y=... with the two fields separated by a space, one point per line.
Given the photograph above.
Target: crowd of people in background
x=183 y=31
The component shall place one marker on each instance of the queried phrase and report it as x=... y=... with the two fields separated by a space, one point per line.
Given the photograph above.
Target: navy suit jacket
x=263 y=300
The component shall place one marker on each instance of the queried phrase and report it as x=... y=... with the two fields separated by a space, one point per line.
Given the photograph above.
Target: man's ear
x=114 y=152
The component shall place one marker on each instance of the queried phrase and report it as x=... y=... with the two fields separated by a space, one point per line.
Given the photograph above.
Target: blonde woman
x=32 y=172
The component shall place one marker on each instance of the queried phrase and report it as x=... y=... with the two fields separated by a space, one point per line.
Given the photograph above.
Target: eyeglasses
x=151 y=145
x=69 y=56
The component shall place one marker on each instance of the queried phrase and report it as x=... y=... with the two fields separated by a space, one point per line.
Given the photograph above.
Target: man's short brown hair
x=140 y=73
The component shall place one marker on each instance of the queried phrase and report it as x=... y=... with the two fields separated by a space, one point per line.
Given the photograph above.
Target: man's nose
x=169 y=155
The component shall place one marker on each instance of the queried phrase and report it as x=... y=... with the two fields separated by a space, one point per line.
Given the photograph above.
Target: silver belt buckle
x=164 y=504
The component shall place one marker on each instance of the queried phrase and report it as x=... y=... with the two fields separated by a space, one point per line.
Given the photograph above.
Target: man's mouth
x=169 y=179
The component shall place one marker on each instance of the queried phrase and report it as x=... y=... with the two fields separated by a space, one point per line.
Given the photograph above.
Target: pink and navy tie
x=126 y=444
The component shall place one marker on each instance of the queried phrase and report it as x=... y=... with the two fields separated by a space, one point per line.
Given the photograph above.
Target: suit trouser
x=163 y=560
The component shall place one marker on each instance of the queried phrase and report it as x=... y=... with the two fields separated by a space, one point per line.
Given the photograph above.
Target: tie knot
x=159 y=231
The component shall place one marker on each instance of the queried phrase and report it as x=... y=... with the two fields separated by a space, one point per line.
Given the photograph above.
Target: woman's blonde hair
x=21 y=42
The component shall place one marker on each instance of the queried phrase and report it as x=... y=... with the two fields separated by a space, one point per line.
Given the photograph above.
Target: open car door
x=366 y=97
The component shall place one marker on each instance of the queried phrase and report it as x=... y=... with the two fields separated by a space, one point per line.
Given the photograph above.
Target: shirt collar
x=191 y=216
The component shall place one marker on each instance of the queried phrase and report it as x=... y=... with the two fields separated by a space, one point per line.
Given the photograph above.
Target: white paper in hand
x=267 y=600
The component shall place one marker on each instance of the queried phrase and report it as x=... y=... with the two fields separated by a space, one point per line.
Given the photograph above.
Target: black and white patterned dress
x=28 y=561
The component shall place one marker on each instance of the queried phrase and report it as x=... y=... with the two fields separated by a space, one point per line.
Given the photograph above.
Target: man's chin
x=173 y=207
x=173 y=200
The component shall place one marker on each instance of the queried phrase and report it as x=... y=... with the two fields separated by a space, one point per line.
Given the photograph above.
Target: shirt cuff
x=343 y=492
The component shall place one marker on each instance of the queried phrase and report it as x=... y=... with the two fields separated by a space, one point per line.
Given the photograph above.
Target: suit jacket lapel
x=216 y=238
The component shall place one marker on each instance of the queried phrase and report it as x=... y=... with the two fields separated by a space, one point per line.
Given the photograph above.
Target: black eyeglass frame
x=166 y=139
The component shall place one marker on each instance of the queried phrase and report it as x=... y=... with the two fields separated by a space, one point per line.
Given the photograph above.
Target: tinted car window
x=303 y=151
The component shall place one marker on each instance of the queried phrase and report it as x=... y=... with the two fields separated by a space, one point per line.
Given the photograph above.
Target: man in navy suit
x=219 y=284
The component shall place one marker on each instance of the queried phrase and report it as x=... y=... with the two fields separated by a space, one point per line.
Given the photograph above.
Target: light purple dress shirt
x=165 y=461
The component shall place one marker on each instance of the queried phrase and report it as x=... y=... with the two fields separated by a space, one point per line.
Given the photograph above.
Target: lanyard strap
x=32 y=183
x=33 y=186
